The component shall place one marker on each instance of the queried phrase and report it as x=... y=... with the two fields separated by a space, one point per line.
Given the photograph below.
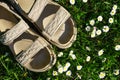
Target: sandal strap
x=61 y=16
x=8 y=37
x=37 y=9
x=24 y=56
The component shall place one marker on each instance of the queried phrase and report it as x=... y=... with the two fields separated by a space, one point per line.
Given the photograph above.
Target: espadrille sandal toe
x=30 y=50
x=52 y=20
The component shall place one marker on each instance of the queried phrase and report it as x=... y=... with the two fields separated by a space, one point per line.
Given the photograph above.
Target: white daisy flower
x=60 y=70
x=73 y=56
x=65 y=69
x=67 y=64
x=117 y=47
x=100 y=18
x=79 y=67
x=102 y=75
x=48 y=78
x=105 y=28
x=55 y=73
x=93 y=34
x=114 y=7
x=72 y=2
x=87 y=28
x=100 y=52
x=92 y=22
x=88 y=48
x=68 y=73
x=71 y=52
x=104 y=59
x=116 y=72
x=111 y=20
x=60 y=54
x=113 y=12
x=79 y=76
x=98 y=32
x=85 y=1
x=88 y=58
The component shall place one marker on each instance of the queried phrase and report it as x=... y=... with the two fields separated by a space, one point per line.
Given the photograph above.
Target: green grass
x=82 y=13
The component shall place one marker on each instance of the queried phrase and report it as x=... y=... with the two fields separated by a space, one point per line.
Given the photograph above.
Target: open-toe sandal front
x=30 y=50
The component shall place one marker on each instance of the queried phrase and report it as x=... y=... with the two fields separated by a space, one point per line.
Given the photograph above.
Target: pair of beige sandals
x=30 y=49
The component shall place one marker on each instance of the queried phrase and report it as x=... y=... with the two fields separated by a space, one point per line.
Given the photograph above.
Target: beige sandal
x=30 y=50
x=55 y=22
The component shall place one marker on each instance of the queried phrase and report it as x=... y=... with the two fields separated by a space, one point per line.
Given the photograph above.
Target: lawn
x=94 y=55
